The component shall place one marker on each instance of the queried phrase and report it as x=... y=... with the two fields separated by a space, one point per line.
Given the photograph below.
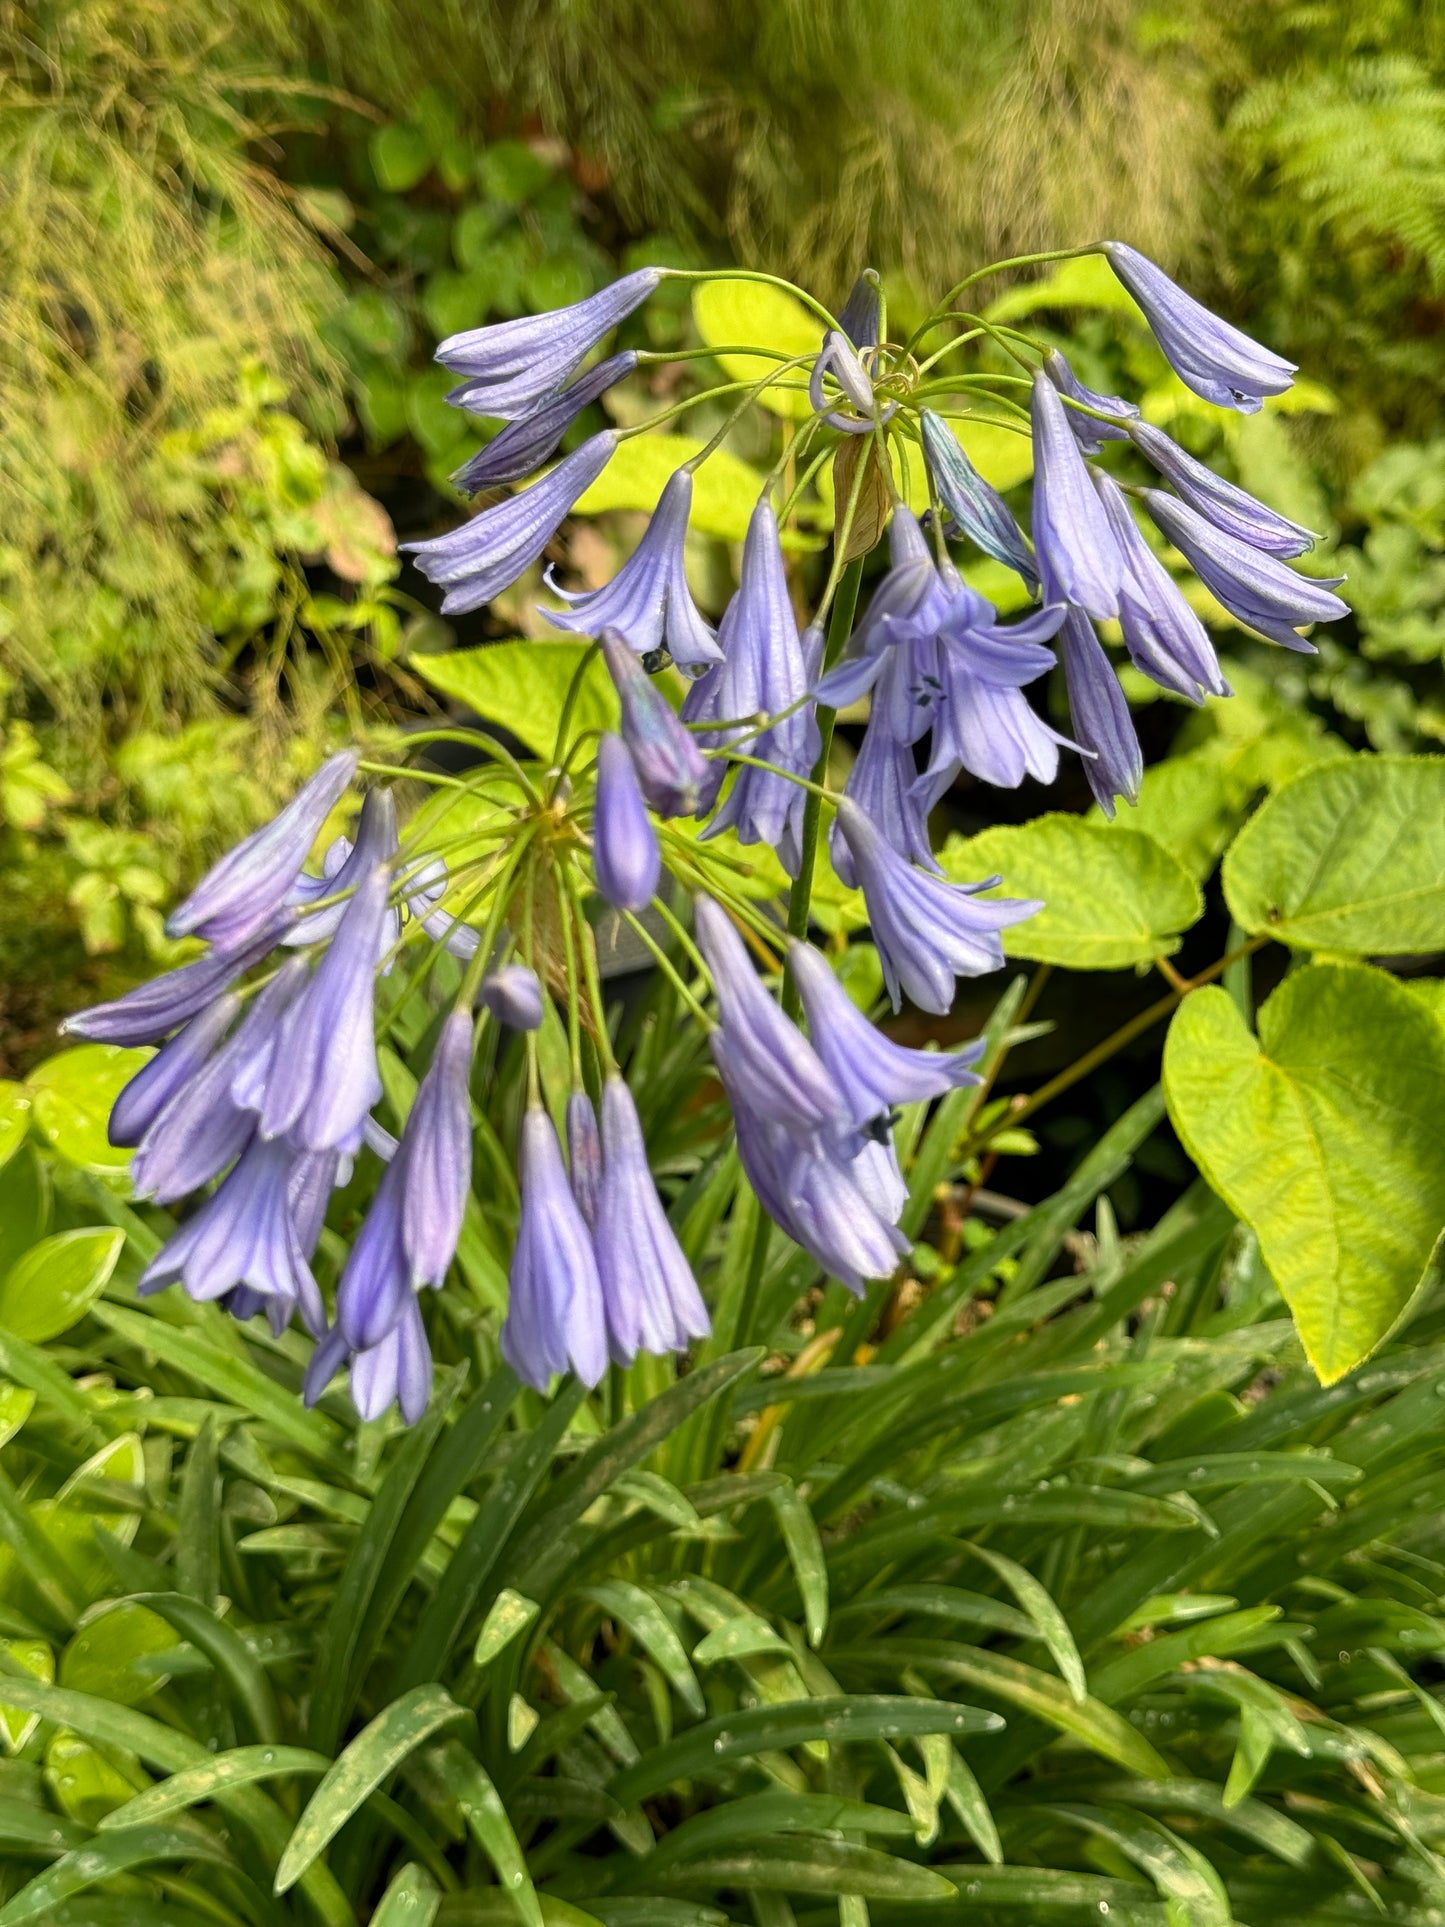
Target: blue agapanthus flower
x=1230 y=508
x=524 y=445
x=1089 y=432
x=1164 y=637
x=555 y=1317
x=649 y=1295
x=1217 y=361
x=671 y=768
x=1114 y=762
x=976 y=506
x=626 y=860
x=1257 y=588
x=1078 y=558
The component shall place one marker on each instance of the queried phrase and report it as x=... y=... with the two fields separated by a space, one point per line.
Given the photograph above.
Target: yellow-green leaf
x=56 y=1282
x=725 y=489
x=732 y=313
x=73 y=1093
x=522 y=686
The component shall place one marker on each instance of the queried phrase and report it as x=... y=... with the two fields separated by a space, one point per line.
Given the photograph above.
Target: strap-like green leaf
x=240 y=1766
x=484 y=1813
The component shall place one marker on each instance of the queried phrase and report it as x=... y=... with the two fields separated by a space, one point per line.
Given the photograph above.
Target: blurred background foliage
x=233 y=237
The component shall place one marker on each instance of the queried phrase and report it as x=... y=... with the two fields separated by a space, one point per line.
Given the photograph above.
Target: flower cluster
x=266 y=1083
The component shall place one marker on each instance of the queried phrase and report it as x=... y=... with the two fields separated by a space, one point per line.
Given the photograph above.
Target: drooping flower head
x=648 y=600
x=511 y=366
x=927 y=931
x=555 y=1318
x=1089 y=432
x=1214 y=359
x=975 y=505
x=1164 y=637
x=649 y=1294
x=1114 y=764
x=526 y=443
x=626 y=860
x=513 y=994
x=1259 y=589
x=1230 y=508
x=475 y=562
x=1078 y=558
x=239 y=896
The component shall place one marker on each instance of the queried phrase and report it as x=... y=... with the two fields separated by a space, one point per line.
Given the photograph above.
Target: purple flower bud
x=862 y=311
x=211 y=1119
x=486 y=555
x=168 y=1073
x=1114 y=763
x=1232 y=509
x=397 y=1371
x=243 y=1234
x=835 y=1220
x=513 y=995
x=871 y=1070
x=239 y=896
x=1164 y=637
x=514 y=365
x=766 y=1056
x=671 y=769
x=375 y=1284
x=323 y=1077
x=648 y=600
x=1090 y=433
x=650 y=1296
x=555 y=1318
x=153 y=1010
x=314 y=1176
x=927 y=931
x=978 y=509
x=1207 y=354
x=584 y=1155
x=527 y=443
x=1078 y=558
x=625 y=858
x=437 y=1147
x=1256 y=589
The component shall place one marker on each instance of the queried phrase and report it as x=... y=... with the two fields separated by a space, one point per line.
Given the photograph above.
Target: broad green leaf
x=737 y=1736
x=84 y=1783
x=240 y=1766
x=1111 y=897
x=371 y=1758
x=73 y=1093
x=1085 y=282
x=1429 y=990
x=725 y=489
x=104 y=1656
x=1323 y=1135
x=16 y=1104
x=1348 y=857
x=730 y=314
x=522 y=686
x=17 y=1402
x=1187 y=804
x=53 y=1286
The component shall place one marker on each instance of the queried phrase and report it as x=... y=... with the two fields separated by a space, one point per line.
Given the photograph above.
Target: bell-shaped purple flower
x=1089 y=432
x=767 y=1057
x=396 y=1371
x=437 y=1146
x=1164 y=637
x=153 y=1010
x=239 y=896
x=1228 y=507
x=1078 y=558
x=511 y=366
x=525 y=444
x=1207 y=354
x=927 y=931
x=375 y=1283
x=975 y=505
x=210 y=1120
x=555 y=1318
x=168 y=1073
x=765 y=671
x=983 y=722
x=1257 y=589
x=243 y=1234
x=1114 y=763
x=626 y=860
x=584 y=1155
x=486 y=555
x=648 y=599
x=893 y=615
x=671 y=769
x=649 y=1294
x=513 y=994
x=323 y=1078
x=871 y=1070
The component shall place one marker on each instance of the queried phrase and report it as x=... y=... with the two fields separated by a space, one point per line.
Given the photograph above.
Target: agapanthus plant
x=268 y=1079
